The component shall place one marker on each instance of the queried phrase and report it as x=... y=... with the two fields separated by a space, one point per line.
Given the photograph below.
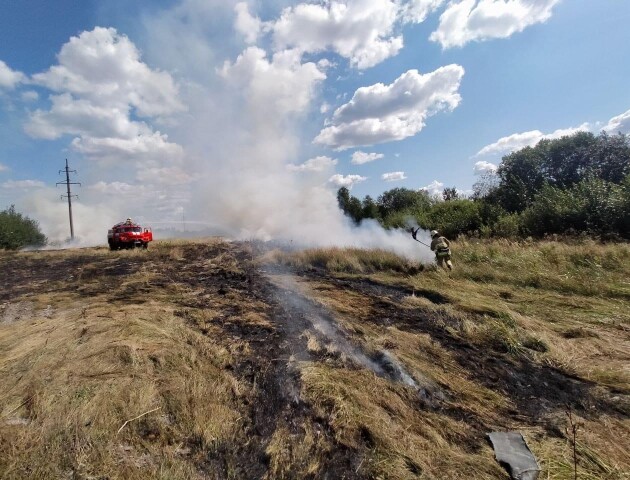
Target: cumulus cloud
x=482 y=167
x=346 y=180
x=383 y=113
x=416 y=11
x=101 y=86
x=620 y=123
x=104 y=68
x=23 y=184
x=281 y=84
x=9 y=79
x=517 y=141
x=434 y=188
x=359 y=30
x=246 y=24
x=317 y=164
x=393 y=176
x=476 y=20
x=359 y=157
x=68 y=115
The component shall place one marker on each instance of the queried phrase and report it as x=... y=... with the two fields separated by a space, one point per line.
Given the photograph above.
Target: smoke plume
x=238 y=117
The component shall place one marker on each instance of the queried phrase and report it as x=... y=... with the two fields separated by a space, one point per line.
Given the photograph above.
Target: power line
x=69 y=195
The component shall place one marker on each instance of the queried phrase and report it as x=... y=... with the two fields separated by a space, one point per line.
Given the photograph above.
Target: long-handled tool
x=414 y=234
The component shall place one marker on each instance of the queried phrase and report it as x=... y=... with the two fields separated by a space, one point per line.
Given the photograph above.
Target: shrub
x=507 y=226
x=18 y=231
x=592 y=205
x=452 y=218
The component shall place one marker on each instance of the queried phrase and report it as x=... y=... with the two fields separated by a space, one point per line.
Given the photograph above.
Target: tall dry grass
x=346 y=260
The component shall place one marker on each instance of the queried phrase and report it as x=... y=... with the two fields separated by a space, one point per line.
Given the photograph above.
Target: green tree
x=593 y=206
x=402 y=200
x=450 y=193
x=486 y=185
x=452 y=218
x=560 y=163
x=18 y=231
x=520 y=178
x=350 y=205
x=343 y=198
x=369 y=208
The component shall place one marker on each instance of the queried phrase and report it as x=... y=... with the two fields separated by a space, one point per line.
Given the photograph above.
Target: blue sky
x=516 y=70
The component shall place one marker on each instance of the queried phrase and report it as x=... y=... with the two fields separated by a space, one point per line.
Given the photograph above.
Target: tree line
x=571 y=185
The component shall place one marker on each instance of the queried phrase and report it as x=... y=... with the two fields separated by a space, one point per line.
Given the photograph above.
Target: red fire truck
x=128 y=235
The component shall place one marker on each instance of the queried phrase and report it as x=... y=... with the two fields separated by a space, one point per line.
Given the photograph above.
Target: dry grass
x=71 y=377
x=82 y=355
x=177 y=333
x=547 y=303
x=346 y=260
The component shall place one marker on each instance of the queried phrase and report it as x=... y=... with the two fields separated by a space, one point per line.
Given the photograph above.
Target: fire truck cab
x=128 y=235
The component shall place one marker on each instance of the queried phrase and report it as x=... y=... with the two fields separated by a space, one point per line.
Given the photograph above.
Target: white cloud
x=620 y=123
x=246 y=24
x=359 y=30
x=324 y=108
x=383 y=113
x=434 y=188
x=9 y=79
x=3 y=168
x=104 y=68
x=416 y=11
x=359 y=157
x=346 y=181
x=30 y=96
x=517 y=141
x=68 y=115
x=482 y=167
x=23 y=184
x=278 y=86
x=152 y=147
x=393 y=176
x=317 y=164
x=100 y=84
x=470 y=20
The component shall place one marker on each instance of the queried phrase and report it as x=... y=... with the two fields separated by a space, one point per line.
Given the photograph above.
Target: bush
x=452 y=218
x=592 y=205
x=507 y=226
x=18 y=231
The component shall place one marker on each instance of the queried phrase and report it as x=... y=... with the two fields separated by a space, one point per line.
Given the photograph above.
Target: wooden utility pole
x=69 y=195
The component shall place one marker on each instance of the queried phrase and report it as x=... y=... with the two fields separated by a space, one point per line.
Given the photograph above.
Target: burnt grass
x=276 y=402
x=535 y=389
x=266 y=366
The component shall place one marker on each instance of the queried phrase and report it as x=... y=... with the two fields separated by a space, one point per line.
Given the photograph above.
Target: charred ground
x=270 y=365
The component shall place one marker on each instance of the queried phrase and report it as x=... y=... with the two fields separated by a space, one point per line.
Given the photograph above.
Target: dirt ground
x=203 y=360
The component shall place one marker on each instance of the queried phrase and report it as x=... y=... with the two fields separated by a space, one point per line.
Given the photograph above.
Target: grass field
x=212 y=359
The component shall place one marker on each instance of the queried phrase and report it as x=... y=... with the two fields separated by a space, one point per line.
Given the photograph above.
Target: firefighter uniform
x=441 y=246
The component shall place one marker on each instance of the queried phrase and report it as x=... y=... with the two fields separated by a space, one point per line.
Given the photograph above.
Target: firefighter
x=441 y=246
x=128 y=221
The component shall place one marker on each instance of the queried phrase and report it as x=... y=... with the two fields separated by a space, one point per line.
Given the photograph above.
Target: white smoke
x=245 y=114
x=242 y=130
